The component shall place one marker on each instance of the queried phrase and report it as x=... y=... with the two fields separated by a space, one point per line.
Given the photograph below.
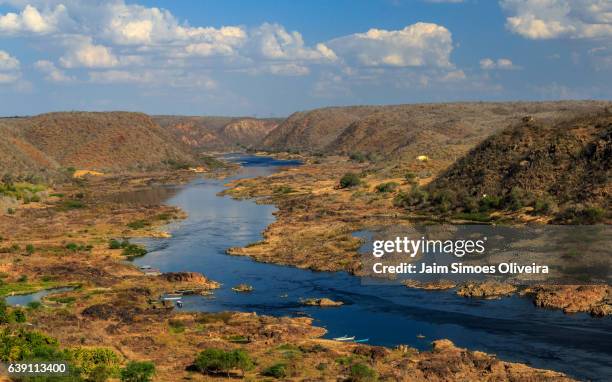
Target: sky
x=271 y=58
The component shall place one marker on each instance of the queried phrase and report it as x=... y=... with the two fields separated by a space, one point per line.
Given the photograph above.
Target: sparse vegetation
x=138 y=371
x=349 y=180
x=387 y=187
x=278 y=370
x=214 y=361
x=362 y=373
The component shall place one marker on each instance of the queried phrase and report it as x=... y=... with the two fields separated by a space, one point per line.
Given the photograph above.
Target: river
x=512 y=328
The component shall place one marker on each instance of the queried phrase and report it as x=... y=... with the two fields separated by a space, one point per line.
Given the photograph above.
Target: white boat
x=344 y=338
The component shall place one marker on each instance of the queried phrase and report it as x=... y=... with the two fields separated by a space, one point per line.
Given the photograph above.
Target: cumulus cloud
x=546 y=19
x=9 y=68
x=84 y=53
x=31 y=20
x=52 y=72
x=272 y=41
x=500 y=63
x=417 y=45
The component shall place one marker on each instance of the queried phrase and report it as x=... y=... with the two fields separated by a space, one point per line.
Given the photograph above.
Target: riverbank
x=116 y=305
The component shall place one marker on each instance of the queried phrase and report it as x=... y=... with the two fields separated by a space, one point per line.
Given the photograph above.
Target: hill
x=217 y=133
x=566 y=162
x=113 y=141
x=442 y=132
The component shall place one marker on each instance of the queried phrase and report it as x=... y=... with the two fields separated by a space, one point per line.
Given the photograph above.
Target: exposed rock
x=596 y=299
x=192 y=278
x=243 y=288
x=487 y=289
x=431 y=285
x=321 y=302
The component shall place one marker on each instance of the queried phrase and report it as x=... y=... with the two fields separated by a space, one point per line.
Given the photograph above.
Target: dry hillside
x=568 y=160
x=217 y=133
x=112 y=141
x=440 y=131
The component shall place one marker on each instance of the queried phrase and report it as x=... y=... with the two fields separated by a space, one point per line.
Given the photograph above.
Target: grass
x=18 y=288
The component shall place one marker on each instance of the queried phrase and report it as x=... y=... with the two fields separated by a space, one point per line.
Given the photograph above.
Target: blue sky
x=270 y=58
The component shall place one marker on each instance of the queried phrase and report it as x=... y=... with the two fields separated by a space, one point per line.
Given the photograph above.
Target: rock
x=596 y=299
x=432 y=285
x=191 y=278
x=487 y=289
x=321 y=302
x=242 y=288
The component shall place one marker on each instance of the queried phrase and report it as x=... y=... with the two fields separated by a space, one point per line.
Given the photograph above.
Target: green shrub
x=72 y=247
x=357 y=157
x=10 y=211
x=283 y=190
x=133 y=250
x=34 y=305
x=544 y=205
x=489 y=202
x=349 y=180
x=221 y=361
x=387 y=187
x=29 y=249
x=22 y=279
x=138 y=224
x=72 y=204
x=95 y=364
x=411 y=177
x=278 y=370
x=114 y=244
x=415 y=197
x=136 y=371
x=176 y=326
x=444 y=200
x=362 y=373
x=582 y=215
x=18 y=315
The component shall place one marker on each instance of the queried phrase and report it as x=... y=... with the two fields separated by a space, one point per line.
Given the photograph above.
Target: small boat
x=362 y=340
x=143 y=267
x=344 y=338
x=420 y=336
x=179 y=304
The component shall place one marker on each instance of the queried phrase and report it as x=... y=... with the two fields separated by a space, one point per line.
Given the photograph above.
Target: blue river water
x=512 y=328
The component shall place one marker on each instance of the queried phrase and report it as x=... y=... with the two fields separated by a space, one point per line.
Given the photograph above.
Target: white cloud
x=272 y=41
x=8 y=62
x=500 y=63
x=52 y=73
x=83 y=53
x=546 y=19
x=417 y=45
x=9 y=68
x=31 y=20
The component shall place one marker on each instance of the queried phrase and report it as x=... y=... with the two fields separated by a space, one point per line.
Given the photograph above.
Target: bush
x=489 y=202
x=95 y=364
x=362 y=373
x=278 y=370
x=18 y=315
x=133 y=250
x=582 y=215
x=411 y=177
x=386 y=187
x=72 y=204
x=136 y=371
x=138 y=224
x=544 y=205
x=357 y=157
x=221 y=361
x=114 y=244
x=29 y=249
x=349 y=180
x=444 y=200
x=415 y=197
x=283 y=190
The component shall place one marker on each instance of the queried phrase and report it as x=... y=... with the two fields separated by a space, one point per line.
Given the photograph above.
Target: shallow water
x=25 y=299
x=386 y=314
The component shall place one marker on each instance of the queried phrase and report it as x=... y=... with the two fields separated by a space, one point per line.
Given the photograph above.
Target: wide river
x=512 y=328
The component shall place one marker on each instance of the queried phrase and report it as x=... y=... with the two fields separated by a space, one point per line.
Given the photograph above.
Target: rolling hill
x=569 y=160
x=217 y=133
x=112 y=142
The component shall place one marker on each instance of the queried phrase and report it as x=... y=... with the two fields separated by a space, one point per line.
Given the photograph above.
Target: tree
x=349 y=180
x=136 y=371
x=221 y=361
